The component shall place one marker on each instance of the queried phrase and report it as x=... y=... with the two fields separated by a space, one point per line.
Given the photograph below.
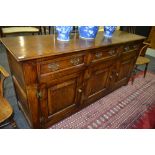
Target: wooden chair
x=142 y=60
x=6 y=111
x=47 y=29
x=131 y=29
x=7 y=30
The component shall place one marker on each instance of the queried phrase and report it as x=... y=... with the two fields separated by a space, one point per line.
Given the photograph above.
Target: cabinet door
x=61 y=99
x=97 y=85
x=123 y=69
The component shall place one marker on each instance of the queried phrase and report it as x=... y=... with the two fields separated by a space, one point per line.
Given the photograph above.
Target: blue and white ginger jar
x=88 y=32
x=64 y=32
x=109 y=30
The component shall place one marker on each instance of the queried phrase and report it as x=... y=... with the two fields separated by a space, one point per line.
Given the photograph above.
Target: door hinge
x=39 y=95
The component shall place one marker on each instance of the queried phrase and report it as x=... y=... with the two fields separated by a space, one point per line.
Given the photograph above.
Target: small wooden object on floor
x=6 y=111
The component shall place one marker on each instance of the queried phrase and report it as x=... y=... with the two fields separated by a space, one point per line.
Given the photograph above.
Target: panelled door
x=61 y=98
x=97 y=85
x=123 y=69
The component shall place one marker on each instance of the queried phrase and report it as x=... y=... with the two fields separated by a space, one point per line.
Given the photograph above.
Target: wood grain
x=55 y=79
x=31 y=47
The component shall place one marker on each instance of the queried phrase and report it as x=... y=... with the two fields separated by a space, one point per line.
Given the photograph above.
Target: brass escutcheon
x=53 y=66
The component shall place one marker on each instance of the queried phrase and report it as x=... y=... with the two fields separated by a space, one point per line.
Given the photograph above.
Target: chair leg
x=40 y=30
x=49 y=29
x=145 y=70
x=44 y=27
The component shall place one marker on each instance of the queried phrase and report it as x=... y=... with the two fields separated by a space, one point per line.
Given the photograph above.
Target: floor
x=10 y=94
x=151 y=52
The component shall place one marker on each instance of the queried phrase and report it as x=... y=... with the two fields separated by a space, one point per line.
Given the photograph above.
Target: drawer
x=131 y=47
x=102 y=66
x=103 y=54
x=61 y=64
x=129 y=55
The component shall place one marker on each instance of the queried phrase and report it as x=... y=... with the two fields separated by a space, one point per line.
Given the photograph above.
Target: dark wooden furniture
x=151 y=37
x=6 y=111
x=54 y=79
x=48 y=29
x=131 y=29
x=139 y=30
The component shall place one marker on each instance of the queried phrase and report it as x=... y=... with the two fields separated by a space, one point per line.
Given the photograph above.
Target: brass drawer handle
x=39 y=95
x=75 y=61
x=53 y=66
x=111 y=77
x=126 y=48
x=80 y=90
x=112 y=52
x=135 y=46
x=98 y=55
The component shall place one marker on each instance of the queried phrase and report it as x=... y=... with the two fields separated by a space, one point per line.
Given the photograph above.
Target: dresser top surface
x=39 y=46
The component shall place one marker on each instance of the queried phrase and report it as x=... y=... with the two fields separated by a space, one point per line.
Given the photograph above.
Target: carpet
x=131 y=106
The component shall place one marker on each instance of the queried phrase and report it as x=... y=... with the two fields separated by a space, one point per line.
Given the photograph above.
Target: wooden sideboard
x=55 y=79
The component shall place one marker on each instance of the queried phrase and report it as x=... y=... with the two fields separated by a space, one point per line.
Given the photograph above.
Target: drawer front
x=102 y=54
x=129 y=55
x=57 y=68
x=131 y=47
x=60 y=64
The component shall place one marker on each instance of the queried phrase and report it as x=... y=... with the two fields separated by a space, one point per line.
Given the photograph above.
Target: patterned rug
x=123 y=108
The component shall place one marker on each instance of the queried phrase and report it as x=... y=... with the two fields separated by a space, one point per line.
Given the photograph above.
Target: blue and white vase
x=109 y=30
x=88 y=32
x=64 y=32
